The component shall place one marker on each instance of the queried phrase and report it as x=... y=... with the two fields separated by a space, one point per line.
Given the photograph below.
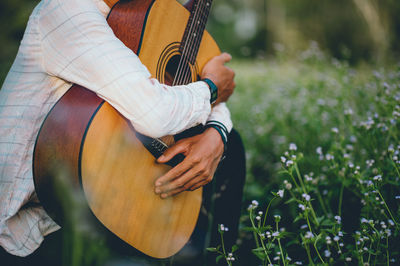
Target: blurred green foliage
x=13 y=18
x=353 y=30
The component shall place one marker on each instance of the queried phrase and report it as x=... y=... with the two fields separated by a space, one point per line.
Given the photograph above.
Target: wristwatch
x=213 y=90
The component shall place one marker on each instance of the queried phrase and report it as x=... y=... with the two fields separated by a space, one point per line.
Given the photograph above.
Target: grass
x=326 y=137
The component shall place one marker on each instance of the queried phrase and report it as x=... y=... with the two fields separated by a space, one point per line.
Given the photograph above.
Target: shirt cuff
x=221 y=114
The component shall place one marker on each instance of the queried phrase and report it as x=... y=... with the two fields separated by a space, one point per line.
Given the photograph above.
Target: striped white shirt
x=66 y=42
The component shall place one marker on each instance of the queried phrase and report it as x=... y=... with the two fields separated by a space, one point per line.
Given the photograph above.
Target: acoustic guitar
x=87 y=140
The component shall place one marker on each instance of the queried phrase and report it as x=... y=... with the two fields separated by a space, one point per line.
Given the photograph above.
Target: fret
x=194 y=30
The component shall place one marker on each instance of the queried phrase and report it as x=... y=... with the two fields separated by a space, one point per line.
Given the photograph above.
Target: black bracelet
x=213 y=90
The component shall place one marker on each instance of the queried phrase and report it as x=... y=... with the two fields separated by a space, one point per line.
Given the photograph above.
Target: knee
x=235 y=150
x=235 y=141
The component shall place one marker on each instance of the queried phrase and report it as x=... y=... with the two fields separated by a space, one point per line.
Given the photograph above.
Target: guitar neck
x=194 y=29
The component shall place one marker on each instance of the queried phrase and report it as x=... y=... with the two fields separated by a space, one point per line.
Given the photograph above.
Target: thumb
x=172 y=152
x=224 y=57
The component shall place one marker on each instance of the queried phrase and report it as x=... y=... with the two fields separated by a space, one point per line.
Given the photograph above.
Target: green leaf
x=259 y=253
x=250 y=229
x=212 y=249
x=219 y=258
x=290 y=200
x=234 y=248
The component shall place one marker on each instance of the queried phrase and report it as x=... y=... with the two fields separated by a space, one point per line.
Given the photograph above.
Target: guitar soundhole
x=174 y=77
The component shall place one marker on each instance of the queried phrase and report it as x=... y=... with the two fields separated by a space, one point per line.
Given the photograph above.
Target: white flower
x=302 y=207
x=378 y=178
x=327 y=253
x=292 y=147
x=348 y=111
x=336 y=238
x=283 y=159
x=309 y=235
x=306 y=196
x=289 y=163
x=288 y=185
x=329 y=157
x=298 y=263
x=338 y=219
x=275 y=234
x=335 y=130
x=319 y=150
x=258 y=218
x=328 y=240
x=348 y=259
x=280 y=193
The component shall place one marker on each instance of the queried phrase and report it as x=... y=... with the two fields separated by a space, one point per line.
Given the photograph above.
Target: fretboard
x=195 y=29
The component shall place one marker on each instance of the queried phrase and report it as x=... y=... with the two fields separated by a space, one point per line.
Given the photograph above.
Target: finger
x=175 y=172
x=171 y=152
x=224 y=57
x=178 y=182
x=172 y=192
x=199 y=184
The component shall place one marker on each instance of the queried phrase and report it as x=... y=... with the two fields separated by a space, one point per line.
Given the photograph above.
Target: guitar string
x=194 y=40
x=180 y=68
x=200 y=32
x=182 y=75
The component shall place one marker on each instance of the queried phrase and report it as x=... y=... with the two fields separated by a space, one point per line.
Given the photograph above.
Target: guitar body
x=87 y=141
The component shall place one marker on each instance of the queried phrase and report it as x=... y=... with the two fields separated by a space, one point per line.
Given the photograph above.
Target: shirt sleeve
x=220 y=113
x=79 y=47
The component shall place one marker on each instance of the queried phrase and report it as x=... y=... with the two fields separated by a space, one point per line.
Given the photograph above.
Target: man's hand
x=221 y=75
x=203 y=153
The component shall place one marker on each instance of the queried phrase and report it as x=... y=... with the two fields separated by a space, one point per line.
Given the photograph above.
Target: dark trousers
x=222 y=200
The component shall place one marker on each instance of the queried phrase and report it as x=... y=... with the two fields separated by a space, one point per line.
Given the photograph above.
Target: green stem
x=254 y=226
x=358 y=253
x=395 y=166
x=308 y=223
x=316 y=249
x=266 y=211
x=387 y=250
x=369 y=255
x=299 y=177
x=294 y=180
x=377 y=249
x=321 y=202
x=265 y=251
x=223 y=249
x=340 y=200
x=309 y=255
x=280 y=246
x=313 y=213
x=387 y=208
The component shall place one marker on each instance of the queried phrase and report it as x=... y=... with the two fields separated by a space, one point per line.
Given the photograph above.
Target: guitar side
x=100 y=152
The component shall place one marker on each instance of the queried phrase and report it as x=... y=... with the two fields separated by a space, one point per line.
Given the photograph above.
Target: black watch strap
x=213 y=90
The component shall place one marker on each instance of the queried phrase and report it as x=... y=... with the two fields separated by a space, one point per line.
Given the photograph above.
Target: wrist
x=221 y=130
x=213 y=90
